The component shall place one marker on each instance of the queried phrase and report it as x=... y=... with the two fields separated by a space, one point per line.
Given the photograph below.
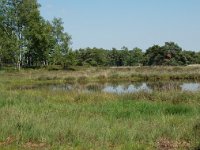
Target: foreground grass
x=98 y=120
x=43 y=119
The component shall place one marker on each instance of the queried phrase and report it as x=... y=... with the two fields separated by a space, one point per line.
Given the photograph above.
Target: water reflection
x=127 y=87
x=164 y=86
x=191 y=87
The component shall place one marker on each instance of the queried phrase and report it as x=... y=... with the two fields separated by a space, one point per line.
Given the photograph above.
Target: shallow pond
x=120 y=88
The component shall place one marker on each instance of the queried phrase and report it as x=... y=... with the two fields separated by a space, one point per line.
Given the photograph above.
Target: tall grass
x=98 y=120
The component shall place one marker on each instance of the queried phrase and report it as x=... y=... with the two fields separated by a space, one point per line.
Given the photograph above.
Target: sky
x=130 y=23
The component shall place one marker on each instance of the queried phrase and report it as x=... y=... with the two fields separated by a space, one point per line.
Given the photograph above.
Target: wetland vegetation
x=44 y=118
x=56 y=97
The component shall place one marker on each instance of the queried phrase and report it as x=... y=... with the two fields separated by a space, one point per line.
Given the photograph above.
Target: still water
x=132 y=87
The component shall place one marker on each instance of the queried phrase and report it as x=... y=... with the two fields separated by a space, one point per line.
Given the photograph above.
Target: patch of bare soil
x=32 y=145
x=8 y=141
x=166 y=144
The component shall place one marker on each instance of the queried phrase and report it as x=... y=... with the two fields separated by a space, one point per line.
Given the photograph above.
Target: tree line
x=28 y=40
x=170 y=54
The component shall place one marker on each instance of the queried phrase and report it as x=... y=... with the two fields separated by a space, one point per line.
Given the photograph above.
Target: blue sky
x=131 y=23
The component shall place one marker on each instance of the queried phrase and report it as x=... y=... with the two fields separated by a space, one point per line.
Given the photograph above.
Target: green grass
x=116 y=122
x=44 y=119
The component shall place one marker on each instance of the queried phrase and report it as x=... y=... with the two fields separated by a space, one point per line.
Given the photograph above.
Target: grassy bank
x=102 y=74
x=45 y=119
